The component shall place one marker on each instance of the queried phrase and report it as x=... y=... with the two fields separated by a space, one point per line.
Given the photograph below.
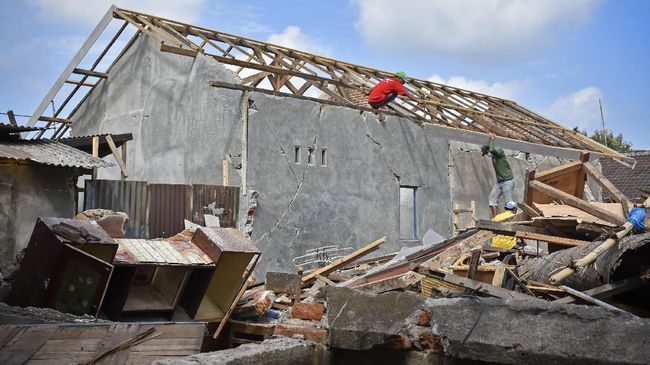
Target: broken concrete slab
x=278 y=351
x=537 y=332
x=360 y=321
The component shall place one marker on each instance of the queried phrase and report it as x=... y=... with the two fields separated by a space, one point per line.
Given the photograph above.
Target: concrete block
x=314 y=334
x=309 y=311
x=283 y=282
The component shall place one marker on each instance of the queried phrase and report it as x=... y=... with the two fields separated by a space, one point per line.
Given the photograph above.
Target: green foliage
x=616 y=143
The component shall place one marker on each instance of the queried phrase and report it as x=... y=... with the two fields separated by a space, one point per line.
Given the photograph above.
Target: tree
x=616 y=143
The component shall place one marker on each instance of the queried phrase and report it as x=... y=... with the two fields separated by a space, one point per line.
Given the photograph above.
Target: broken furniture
x=151 y=276
x=234 y=258
x=67 y=266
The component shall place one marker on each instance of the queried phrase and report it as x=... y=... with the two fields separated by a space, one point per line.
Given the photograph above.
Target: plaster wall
x=182 y=128
x=26 y=193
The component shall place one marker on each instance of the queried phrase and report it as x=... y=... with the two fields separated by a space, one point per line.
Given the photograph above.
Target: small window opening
x=310 y=156
x=296 y=156
x=323 y=157
x=408 y=227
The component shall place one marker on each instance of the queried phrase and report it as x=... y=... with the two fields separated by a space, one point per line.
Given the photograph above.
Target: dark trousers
x=388 y=99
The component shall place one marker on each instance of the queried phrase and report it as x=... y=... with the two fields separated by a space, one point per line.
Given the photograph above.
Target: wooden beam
x=485 y=288
x=608 y=186
x=54 y=120
x=224 y=171
x=473 y=262
x=178 y=50
x=592 y=300
x=558 y=171
x=116 y=155
x=95 y=153
x=344 y=260
x=12 y=118
x=80 y=71
x=575 y=202
x=75 y=82
x=124 y=157
x=506 y=228
x=551 y=239
x=609 y=290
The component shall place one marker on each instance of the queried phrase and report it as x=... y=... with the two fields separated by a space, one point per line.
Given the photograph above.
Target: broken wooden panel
x=151 y=276
x=234 y=257
x=54 y=263
x=569 y=178
x=59 y=344
x=557 y=210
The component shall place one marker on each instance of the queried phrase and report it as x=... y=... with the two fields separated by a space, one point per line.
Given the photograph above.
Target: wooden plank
x=608 y=186
x=344 y=260
x=550 y=239
x=124 y=157
x=54 y=120
x=506 y=228
x=576 y=202
x=473 y=262
x=80 y=71
x=12 y=118
x=224 y=172
x=609 y=290
x=485 y=288
x=558 y=171
x=25 y=344
x=178 y=50
x=95 y=153
x=116 y=154
x=75 y=82
x=592 y=300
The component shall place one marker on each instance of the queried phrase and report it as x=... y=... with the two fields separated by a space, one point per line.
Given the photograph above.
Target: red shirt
x=384 y=88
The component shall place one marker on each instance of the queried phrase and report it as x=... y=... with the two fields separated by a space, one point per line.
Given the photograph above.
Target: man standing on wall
x=387 y=90
x=505 y=185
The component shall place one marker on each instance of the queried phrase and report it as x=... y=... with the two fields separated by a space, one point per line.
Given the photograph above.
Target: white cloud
x=89 y=12
x=494 y=29
x=506 y=90
x=579 y=108
x=293 y=37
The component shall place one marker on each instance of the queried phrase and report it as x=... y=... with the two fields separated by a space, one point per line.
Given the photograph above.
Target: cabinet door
x=78 y=282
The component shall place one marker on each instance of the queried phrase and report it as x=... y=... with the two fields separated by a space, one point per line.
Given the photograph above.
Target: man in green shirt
x=505 y=183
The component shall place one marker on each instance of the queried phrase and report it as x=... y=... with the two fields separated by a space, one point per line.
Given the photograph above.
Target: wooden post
x=95 y=153
x=124 y=157
x=224 y=171
x=116 y=155
x=12 y=118
x=473 y=262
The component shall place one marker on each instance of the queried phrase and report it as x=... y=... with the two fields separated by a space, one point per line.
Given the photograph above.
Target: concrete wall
x=182 y=128
x=26 y=193
x=355 y=198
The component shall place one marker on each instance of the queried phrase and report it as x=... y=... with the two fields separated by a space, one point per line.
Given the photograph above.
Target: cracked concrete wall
x=26 y=193
x=355 y=198
x=182 y=128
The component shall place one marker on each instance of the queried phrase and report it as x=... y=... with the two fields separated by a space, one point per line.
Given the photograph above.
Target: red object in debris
x=308 y=311
x=309 y=333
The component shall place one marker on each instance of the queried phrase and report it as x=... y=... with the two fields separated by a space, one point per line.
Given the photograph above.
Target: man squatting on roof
x=505 y=183
x=387 y=90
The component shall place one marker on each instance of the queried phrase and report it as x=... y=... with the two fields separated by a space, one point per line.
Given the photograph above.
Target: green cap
x=402 y=75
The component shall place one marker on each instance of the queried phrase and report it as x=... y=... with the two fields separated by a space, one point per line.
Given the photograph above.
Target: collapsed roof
x=291 y=72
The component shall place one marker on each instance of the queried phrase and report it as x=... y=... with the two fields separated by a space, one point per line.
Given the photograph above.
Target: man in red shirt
x=387 y=90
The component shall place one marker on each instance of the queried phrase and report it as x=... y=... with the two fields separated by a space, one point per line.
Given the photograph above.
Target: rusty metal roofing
x=48 y=152
x=227 y=239
x=166 y=252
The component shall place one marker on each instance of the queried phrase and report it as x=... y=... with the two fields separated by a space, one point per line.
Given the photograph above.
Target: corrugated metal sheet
x=169 y=206
x=48 y=152
x=9 y=128
x=129 y=197
x=208 y=198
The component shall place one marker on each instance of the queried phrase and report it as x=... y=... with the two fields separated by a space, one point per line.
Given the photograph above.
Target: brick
x=309 y=311
x=429 y=341
x=423 y=319
x=398 y=342
x=314 y=334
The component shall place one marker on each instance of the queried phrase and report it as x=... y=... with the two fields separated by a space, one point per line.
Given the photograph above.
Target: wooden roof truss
x=292 y=72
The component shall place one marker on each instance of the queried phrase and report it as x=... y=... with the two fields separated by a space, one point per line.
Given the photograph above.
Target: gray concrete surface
x=280 y=351
x=31 y=315
x=26 y=193
x=538 y=332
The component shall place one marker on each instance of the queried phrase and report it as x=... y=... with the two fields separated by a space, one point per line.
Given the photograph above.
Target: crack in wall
x=381 y=148
x=302 y=180
x=284 y=154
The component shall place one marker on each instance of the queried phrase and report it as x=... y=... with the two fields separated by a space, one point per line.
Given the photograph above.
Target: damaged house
x=315 y=165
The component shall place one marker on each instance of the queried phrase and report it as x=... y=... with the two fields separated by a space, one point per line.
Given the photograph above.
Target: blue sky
x=557 y=57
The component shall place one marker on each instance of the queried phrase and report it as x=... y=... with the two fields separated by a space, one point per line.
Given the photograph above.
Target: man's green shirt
x=500 y=163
